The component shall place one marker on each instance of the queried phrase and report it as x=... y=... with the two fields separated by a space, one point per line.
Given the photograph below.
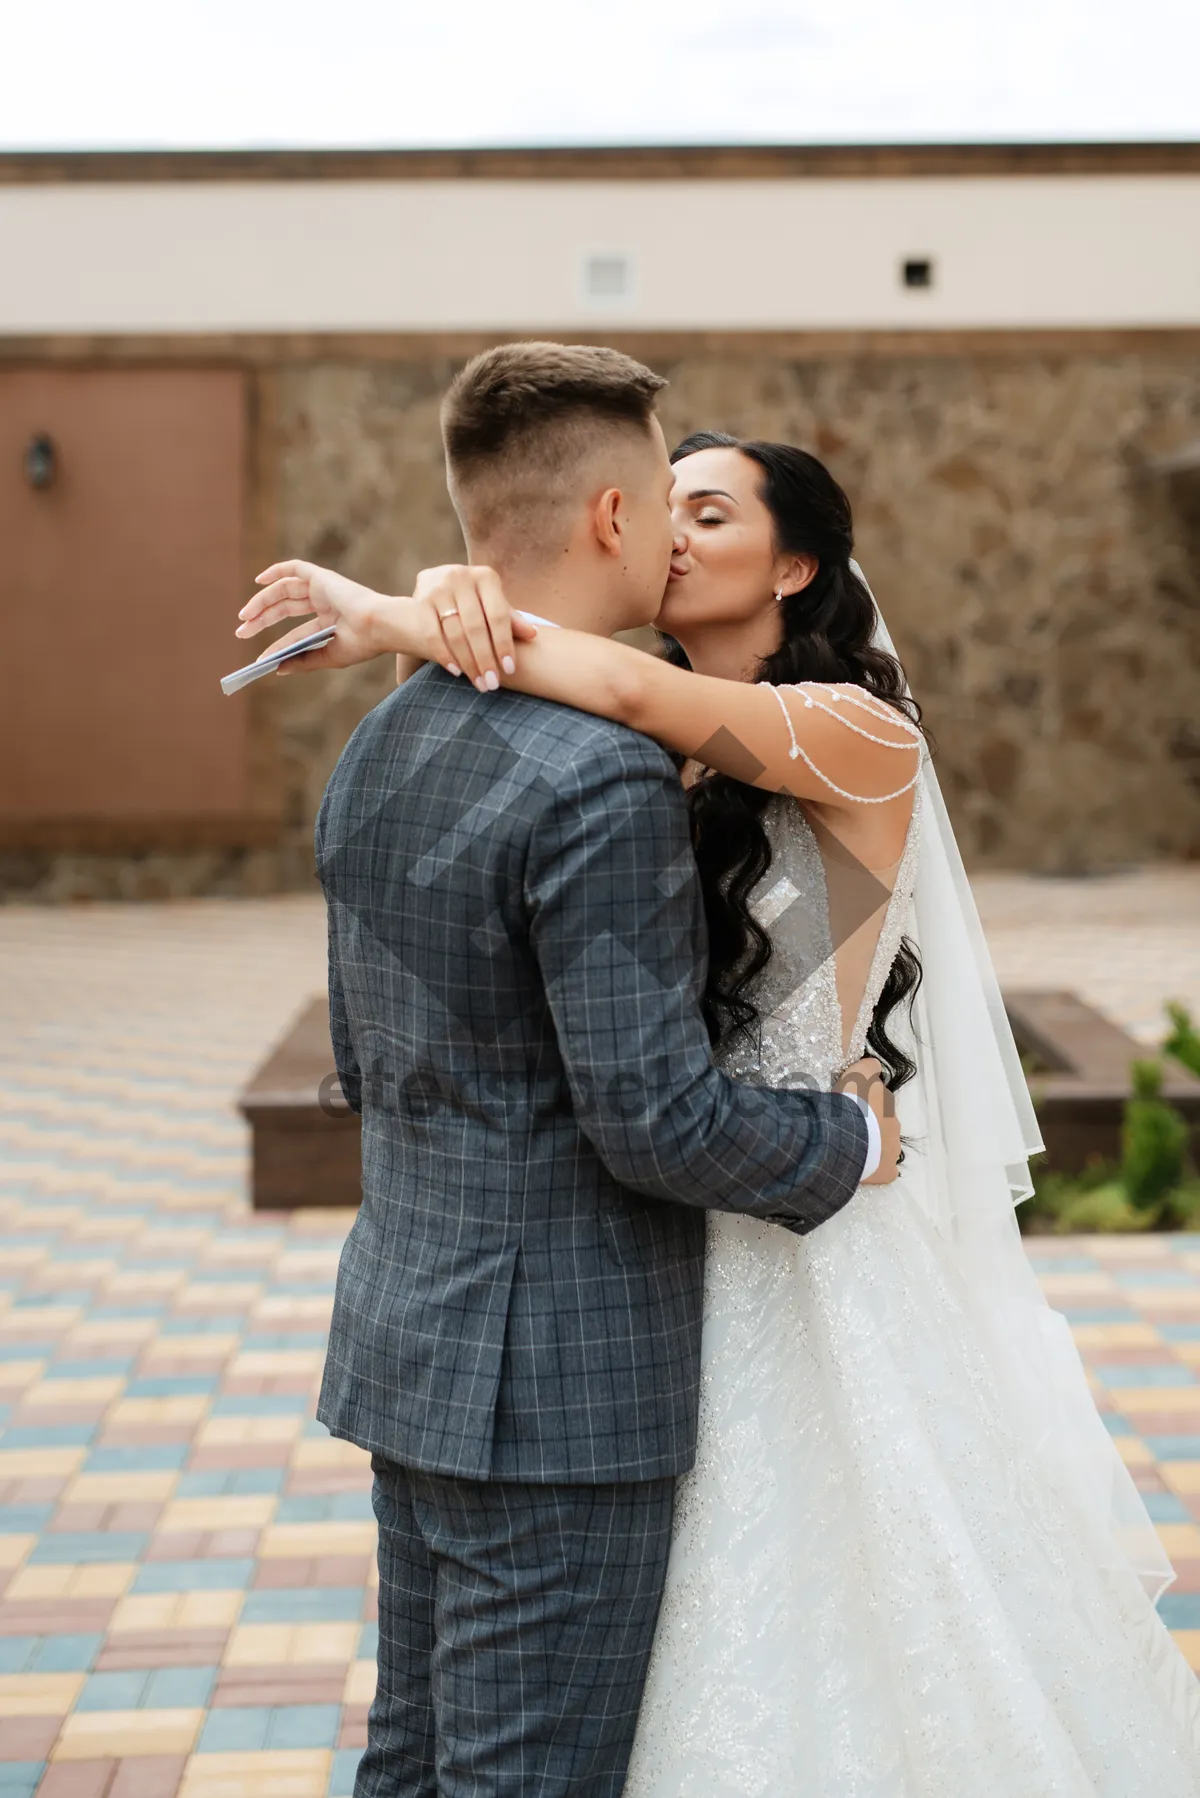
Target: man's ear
x=796 y=573
x=607 y=524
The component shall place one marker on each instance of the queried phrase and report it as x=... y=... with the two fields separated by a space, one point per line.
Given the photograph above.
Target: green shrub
x=1154 y=1140
x=1183 y=1044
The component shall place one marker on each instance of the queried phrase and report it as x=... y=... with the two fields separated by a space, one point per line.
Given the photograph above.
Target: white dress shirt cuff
x=874 y=1138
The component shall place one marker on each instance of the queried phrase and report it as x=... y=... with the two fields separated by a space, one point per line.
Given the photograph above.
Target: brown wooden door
x=119 y=581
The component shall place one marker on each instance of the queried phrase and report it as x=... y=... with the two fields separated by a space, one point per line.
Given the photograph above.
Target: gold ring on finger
x=452 y=613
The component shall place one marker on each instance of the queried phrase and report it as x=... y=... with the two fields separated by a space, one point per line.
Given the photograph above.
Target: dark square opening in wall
x=917 y=271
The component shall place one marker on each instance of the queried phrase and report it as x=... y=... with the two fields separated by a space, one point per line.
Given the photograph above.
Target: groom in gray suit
x=516 y=959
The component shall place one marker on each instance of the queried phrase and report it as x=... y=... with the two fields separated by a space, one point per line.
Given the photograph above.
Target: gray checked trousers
x=515 y=1625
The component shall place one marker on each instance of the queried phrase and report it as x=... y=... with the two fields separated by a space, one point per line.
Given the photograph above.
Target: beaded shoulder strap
x=875 y=708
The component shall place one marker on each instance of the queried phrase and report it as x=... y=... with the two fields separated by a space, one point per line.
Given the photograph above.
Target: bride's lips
x=676 y=574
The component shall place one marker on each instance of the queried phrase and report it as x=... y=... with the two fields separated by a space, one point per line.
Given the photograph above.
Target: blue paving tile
x=304 y=1604
x=340 y=1507
x=1164 y=1507
x=1169 y=1373
x=314 y=1428
x=155 y=1457
x=49 y=1435
x=225 y=1323
x=144 y=1308
x=1174 y=1448
x=304 y=1726
x=265 y=1404
x=172 y=1385
x=90 y=1370
x=66 y=1654
x=237 y=1729
x=343 y=1772
x=24 y=1520
x=113 y=1691
x=215 y=1575
x=1155 y=1276
x=27 y=1351
x=1179 y=1332
x=368 y=1642
x=285 y=1339
x=77 y=1548
x=222 y=1482
x=21 y=1779
x=179 y=1688
x=1180 y=1610
x=230 y=1276
x=17 y=1652
x=1117 y=1425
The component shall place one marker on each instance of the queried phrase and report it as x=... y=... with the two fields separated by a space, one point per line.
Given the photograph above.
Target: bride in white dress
x=908 y=1562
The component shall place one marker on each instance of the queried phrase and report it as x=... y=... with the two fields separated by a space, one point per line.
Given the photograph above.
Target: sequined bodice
x=796 y=993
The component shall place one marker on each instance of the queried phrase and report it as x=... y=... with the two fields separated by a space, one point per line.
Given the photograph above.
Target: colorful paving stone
x=187 y=1601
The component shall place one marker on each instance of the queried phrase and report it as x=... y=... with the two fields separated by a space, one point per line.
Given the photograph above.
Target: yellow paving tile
x=144 y=1611
x=305 y=1539
x=183 y=1408
x=1188 y=1352
x=1058 y=1287
x=112 y=1329
x=1188 y=1643
x=190 y=1348
x=235 y=1511
x=121 y=1488
x=106 y=1579
x=114 y=1735
x=1181 y=1540
x=15 y=1376
x=314 y=1309
x=1181 y=1476
x=1183 y=1399
x=39 y=1463
x=215 y=1295
x=1094 y=1336
x=141 y=1283
x=226 y=1431
x=40 y=1321
x=98 y=1390
x=263 y=1363
x=277 y=1644
x=330 y=1451
x=360 y=1683
x=39 y=1694
x=1164 y=1298
x=1133 y=1451
x=13 y=1549
x=278 y=1773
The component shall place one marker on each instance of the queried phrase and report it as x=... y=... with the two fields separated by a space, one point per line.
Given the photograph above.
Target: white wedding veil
x=970 y=1128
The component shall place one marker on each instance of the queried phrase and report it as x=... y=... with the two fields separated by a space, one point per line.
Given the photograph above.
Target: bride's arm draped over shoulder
x=835 y=745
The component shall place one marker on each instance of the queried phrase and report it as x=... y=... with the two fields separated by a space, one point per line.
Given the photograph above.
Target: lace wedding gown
x=875 y=1590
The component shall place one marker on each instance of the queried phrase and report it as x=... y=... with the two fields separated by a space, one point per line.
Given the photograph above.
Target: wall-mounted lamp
x=40 y=461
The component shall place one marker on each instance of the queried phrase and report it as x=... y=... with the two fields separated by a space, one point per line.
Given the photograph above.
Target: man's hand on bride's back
x=864 y=1080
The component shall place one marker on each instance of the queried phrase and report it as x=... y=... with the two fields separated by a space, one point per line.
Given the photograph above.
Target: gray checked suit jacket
x=516 y=957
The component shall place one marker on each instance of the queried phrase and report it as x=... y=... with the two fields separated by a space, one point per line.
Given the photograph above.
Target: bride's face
x=724 y=566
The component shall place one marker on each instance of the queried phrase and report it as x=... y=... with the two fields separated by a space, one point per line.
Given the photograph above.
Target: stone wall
x=1042 y=583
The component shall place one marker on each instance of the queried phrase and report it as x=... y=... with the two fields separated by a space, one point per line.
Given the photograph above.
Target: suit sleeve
x=617 y=925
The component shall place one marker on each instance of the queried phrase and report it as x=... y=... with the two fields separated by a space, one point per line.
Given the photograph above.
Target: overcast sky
x=194 y=73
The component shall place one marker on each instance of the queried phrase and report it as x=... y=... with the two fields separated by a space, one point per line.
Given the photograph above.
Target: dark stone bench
x=306 y=1144
x=1078 y=1067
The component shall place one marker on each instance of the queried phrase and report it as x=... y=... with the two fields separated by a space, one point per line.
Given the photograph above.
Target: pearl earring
x=779 y=596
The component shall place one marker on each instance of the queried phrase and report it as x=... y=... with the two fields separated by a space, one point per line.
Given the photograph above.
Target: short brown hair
x=518 y=420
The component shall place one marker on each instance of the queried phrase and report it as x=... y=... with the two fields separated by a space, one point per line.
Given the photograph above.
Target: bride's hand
x=367 y=623
x=478 y=627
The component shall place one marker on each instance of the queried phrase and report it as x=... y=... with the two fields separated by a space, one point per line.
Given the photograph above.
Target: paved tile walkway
x=186 y=1597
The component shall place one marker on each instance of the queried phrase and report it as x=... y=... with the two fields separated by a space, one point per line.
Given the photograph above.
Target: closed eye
x=710 y=518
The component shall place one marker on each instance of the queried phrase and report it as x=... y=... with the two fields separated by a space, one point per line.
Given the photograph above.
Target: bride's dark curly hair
x=827 y=629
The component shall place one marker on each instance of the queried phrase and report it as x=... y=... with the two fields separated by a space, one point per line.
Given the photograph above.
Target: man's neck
x=561 y=600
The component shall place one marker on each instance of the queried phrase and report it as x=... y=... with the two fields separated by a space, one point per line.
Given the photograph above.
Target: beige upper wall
x=1050 y=251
